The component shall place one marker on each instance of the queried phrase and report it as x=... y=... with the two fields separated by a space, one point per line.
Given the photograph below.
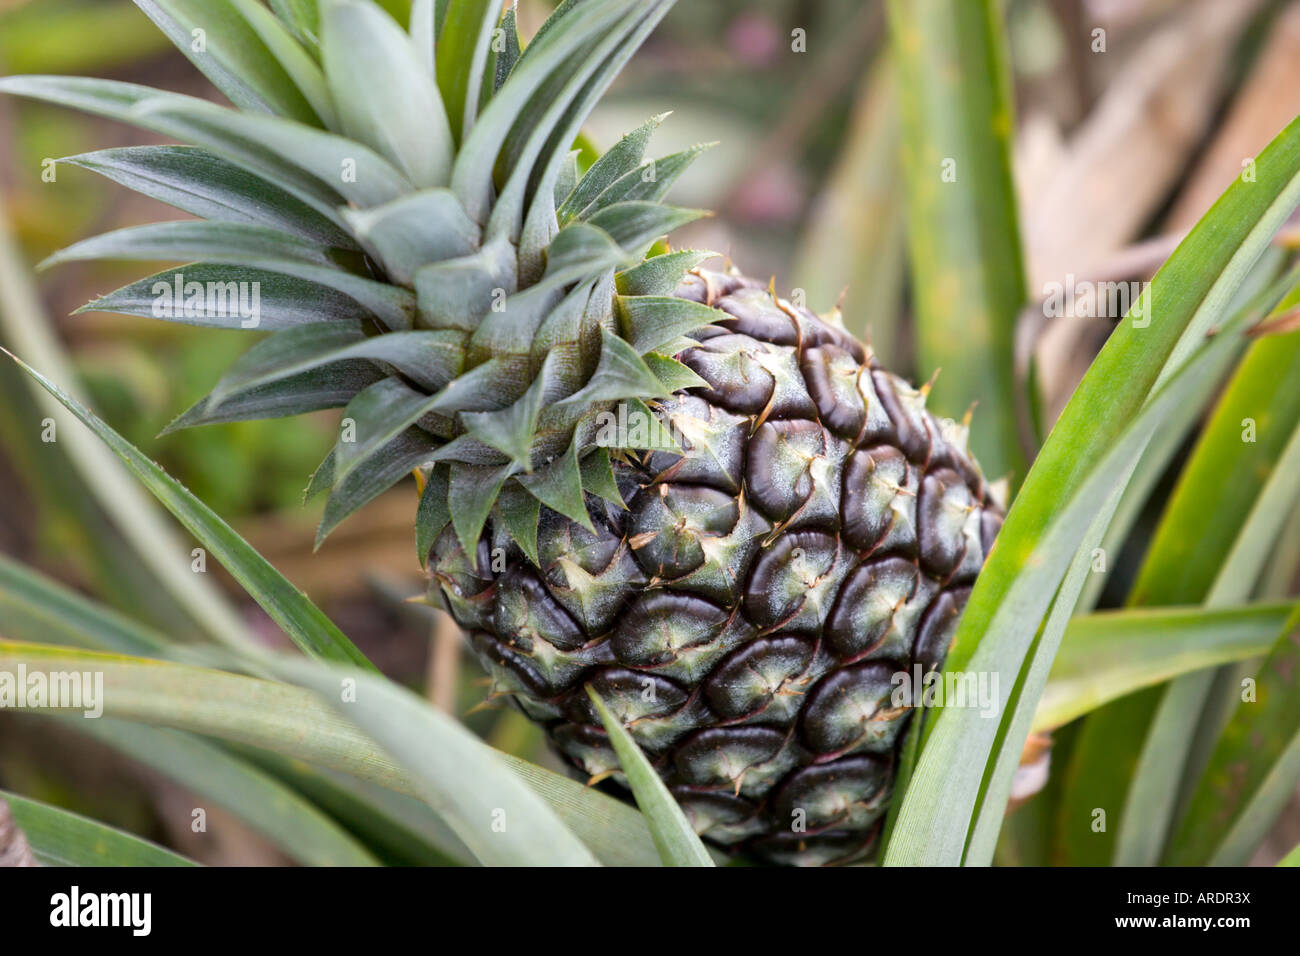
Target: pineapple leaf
x=424 y=34
x=540 y=139
x=621 y=374
x=36 y=607
x=286 y=720
x=650 y=322
x=509 y=331
x=558 y=485
x=457 y=292
x=484 y=388
x=364 y=50
x=1109 y=654
x=301 y=620
x=648 y=183
x=340 y=166
x=1111 y=743
x=456 y=773
x=1168 y=754
x=475 y=489
x=520 y=511
x=568 y=178
x=293 y=59
x=541 y=217
x=230 y=53
x=659 y=275
x=463 y=46
x=207 y=186
x=230 y=297
x=373 y=476
x=322 y=479
x=963 y=237
x=1254 y=769
x=289 y=352
x=511 y=430
x=598 y=477
x=673 y=834
x=308 y=391
x=236 y=242
x=580 y=250
x=409 y=233
x=434 y=513
x=230 y=243
x=373 y=422
x=339 y=169
x=637 y=428
x=285 y=817
x=59 y=837
x=470 y=451
x=672 y=374
x=636 y=224
x=1147 y=369
x=548 y=53
x=503 y=60
x=302 y=17
x=1260 y=292
x=619 y=160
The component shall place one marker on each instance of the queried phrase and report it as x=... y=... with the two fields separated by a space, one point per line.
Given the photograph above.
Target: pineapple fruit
x=637 y=474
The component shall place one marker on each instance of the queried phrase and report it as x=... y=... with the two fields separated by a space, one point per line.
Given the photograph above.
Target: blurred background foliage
x=1122 y=139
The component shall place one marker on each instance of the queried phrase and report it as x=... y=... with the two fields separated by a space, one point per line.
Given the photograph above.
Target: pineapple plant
x=640 y=475
x=692 y=529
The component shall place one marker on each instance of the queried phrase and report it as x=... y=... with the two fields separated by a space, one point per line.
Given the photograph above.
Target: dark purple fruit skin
x=746 y=615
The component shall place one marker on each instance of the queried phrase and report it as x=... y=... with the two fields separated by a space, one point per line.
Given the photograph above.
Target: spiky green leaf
x=228 y=51
x=623 y=157
x=660 y=275
x=372 y=476
x=650 y=322
x=434 y=513
x=365 y=51
x=411 y=232
x=205 y=185
x=308 y=391
x=520 y=511
x=474 y=488
x=230 y=297
x=558 y=485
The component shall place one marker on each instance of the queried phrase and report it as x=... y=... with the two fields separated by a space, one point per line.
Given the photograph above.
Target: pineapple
x=637 y=474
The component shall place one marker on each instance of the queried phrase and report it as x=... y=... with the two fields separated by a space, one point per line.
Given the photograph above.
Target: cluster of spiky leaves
x=407 y=205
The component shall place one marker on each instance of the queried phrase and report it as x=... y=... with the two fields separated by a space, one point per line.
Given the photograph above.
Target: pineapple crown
x=405 y=201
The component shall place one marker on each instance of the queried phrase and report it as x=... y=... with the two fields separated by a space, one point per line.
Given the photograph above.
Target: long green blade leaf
x=968 y=279
x=1254 y=770
x=270 y=808
x=295 y=723
x=61 y=838
x=1099 y=435
x=500 y=819
x=301 y=620
x=1107 y=655
x=673 y=834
